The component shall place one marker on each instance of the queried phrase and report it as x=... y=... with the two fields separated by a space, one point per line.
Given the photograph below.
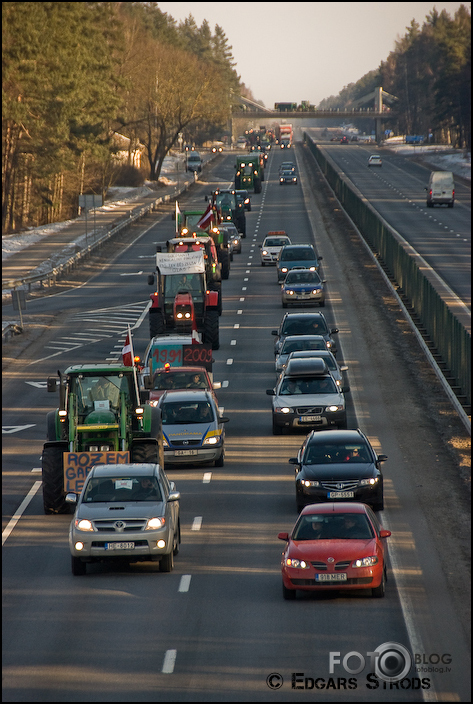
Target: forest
x=429 y=76
x=83 y=81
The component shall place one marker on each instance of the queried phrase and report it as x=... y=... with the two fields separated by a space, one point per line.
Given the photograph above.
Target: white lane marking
x=8 y=429
x=169 y=662
x=21 y=508
x=197 y=523
x=239 y=312
x=232 y=342
x=184 y=584
x=224 y=384
x=229 y=360
x=207 y=478
x=235 y=327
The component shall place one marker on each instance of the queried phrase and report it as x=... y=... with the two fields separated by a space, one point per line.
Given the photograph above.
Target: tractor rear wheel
x=211 y=329
x=145 y=452
x=157 y=324
x=53 y=478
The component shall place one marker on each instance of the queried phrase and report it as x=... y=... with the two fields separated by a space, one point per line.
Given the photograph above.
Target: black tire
x=78 y=567
x=288 y=594
x=166 y=563
x=145 y=452
x=157 y=324
x=322 y=304
x=211 y=329
x=299 y=505
x=225 y=261
x=51 y=434
x=257 y=185
x=263 y=264
x=379 y=592
x=221 y=460
x=277 y=429
x=53 y=478
x=379 y=506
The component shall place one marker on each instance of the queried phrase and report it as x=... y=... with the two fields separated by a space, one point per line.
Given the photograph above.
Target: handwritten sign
x=77 y=465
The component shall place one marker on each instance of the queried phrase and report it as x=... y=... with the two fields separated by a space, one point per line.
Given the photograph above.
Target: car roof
x=314 y=366
x=129 y=470
x=180 y=369
x=329 y=507
x=303 y=354
x=191 y=395
x=301 y=338
x=301 y=316
x=321 y=437
x=298 y=246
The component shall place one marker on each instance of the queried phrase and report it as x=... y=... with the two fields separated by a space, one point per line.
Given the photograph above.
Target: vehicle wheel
x=166 y=563
x=277 y=429
x=299 y=505
x=379 y=592
x=289 y=594
x=450 y=205
x=322 y=304
x=145 y=452
x=211 y=329
x=177 y=539
x=78 y=567
x=221 y=460
x=225 y=261
x=257 y=185
x=284 y=305
x=342 y=426
x=379 y=506
x=157 y=324
x=53 y=478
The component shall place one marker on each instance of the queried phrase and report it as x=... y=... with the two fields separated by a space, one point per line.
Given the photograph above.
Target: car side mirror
x=283 y=536
x=345 y=389
x=274 y=332
x=270 y=392
x=217 y=385
x=51 y=384
x=344 y=368
x=382 y=458
x=223 y=419
x=71 y=498
x=334 y=331
x=293 y=460
x=384 y=533
x=150 y=279
x=320 y=258
x=174 y=496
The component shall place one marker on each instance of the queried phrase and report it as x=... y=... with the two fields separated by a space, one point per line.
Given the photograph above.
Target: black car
x=305 y=324
x=338 y=465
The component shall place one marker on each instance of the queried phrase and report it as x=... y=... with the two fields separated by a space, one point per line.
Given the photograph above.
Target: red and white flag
x=196 y=339
x=127 y=351
x=206 y=219
x=178 y=217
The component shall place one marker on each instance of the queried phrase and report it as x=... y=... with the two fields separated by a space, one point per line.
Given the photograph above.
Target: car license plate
x=339 y=577
x=341 y=495
x=119 y=546
x=180 y=453
x=310 y=419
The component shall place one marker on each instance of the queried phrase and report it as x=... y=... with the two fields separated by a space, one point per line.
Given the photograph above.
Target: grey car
x=125 y=512
x=292 y=343
x=307 y=397
x=305 y=324
x=334 y=368
x=296 y=255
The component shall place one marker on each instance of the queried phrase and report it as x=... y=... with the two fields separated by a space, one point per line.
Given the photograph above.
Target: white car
x=375 y=160
x=272 y=245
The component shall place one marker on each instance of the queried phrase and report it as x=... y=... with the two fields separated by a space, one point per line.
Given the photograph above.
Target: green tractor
x=248 y=172
x=100 y=420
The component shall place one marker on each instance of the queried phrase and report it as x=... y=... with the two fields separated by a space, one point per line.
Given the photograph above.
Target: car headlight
x=284 y=409
x=213 y=440
x=365 y=561
x=310 y=482
x=155 y=523
x=369 y=482
x=264 y=252
x=333 y=409
x=315 y=291
x=289 y=292
x=298 y=564
x=284 y=269
x=83 y=524
x=312 y=268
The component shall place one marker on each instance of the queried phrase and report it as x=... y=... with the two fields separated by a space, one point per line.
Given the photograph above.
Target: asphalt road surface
x=217 y=627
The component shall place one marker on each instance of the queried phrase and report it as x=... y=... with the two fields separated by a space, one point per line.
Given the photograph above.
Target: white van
x=441 y=189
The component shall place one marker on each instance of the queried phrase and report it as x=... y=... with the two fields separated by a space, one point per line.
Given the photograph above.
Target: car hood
x=310 y=400
x=191 y=431
x=337 y=548
x=302 y=287
x=304 y=263
x=120 y=510
x=345 y=470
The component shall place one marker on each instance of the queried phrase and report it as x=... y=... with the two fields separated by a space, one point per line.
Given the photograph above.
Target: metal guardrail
x=438 y=311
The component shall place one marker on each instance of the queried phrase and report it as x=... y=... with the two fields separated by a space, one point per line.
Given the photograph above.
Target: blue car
x=303 y=286
x=296 y=256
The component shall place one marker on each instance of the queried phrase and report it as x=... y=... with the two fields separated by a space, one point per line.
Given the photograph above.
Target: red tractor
x=182 y=301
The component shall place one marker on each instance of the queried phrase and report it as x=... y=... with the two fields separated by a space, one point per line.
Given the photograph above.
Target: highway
x=217 y=627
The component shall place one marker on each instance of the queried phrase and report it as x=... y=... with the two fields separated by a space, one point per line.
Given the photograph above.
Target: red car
x=334 y=546
x=179 y=379
x=344 y=140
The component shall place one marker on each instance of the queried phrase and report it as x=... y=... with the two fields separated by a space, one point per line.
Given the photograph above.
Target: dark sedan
x=338 y=465
x=305 y=324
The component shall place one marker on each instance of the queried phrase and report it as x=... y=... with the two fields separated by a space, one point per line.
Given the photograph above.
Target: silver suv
x=125 y=512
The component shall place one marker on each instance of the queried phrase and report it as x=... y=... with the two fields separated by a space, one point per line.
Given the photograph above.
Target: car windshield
x=113 y=489
x=99 y=392
x=289 y=346
x=179 y=380
x=299 y=255
x=275 y=242
x=336 y=453
x=183 y=282
x=304 y=326
x=292 y=386
x=174 y=413
x=306 y=276
x=346 y=526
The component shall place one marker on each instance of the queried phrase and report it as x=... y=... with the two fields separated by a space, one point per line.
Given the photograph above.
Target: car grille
x=311 y=410
x=187 y=443
x=348 y=485
x=322 y=567
x=108 y=525
x=334 y=585
x=102 y=544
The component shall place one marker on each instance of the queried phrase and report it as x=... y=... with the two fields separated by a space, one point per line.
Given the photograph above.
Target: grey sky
x=294 y=51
